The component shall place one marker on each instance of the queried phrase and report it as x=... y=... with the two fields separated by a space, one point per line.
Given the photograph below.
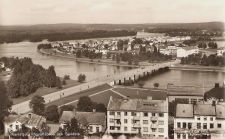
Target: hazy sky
x=20 y=12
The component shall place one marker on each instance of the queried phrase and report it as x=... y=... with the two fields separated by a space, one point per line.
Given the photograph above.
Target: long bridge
x=113 y=79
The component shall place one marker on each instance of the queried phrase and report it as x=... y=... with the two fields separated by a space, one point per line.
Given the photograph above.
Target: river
x=72 y=68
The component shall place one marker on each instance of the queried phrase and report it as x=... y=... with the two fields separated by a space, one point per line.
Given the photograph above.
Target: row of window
x=199 y=125
x=91 y=129
x=205 y=118
x=125 y=121
x=145 y=129
x=145 y=114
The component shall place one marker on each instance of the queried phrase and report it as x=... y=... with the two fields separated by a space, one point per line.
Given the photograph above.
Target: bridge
x=113 y=79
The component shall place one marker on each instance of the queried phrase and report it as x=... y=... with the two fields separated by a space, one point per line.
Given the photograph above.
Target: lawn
x=142 y=94
x=78 y=95
x=44 y=91
x=102 y=97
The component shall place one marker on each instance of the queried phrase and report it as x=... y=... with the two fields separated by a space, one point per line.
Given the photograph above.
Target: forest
x=28 y=77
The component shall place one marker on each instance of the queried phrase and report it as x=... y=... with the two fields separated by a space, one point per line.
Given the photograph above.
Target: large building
x=204 y=119
x=186 y=51
x=145 y=117
x=217 y=93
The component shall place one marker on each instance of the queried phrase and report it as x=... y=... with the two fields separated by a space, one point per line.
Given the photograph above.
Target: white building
x=220 y=51
x=198 y=120
x=138 y=116
x=185 y=51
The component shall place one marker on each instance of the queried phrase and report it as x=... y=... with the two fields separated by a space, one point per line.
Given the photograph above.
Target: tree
x=64 y=82
x=136 y=61
x=51 y=113
x=5 y=105
x=37 y=104
x=72 y=127
x=81 y=78
x=117 y=58
x=140 y=84
x=78 y=54
x=66 y=77
x=156 y=85
x=50 y=78
x=65 y=108
x=58 y=83
x=85 y=104
x=172 y=108
x=100 y=107
x=129 y=61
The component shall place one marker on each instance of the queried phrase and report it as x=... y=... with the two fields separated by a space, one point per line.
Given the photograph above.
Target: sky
x=29 y=12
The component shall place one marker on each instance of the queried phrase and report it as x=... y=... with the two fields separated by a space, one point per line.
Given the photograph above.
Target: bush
x=128 y=82
x=156 y=85
x=81 y=77
x=66 y=77
x=64 y=82
x=140 y=84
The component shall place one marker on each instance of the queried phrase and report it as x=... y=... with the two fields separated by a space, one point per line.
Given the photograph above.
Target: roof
x=54 y=128
x=184 y=111
x=181 y=90
x=36 y=120
x=220 y=111
x=204 y=110
x=137 y=105
x=216 y=92
x=12 y=118
x=84 y=117
x=189 y=47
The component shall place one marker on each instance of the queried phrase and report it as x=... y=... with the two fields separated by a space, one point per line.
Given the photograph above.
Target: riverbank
x=198 y=68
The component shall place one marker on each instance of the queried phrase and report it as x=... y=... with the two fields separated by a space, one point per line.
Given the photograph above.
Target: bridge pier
x=114 y=82
x=119 y=82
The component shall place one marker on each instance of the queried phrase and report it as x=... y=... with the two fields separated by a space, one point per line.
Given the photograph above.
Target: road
x=24 y=106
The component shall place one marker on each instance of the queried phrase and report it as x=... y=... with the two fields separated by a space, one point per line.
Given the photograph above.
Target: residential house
x=91 y=122
x=199 y=120
x=184 y=92
x=146 y=117
x=217 y=93
x=220 y=51
x=185 y=51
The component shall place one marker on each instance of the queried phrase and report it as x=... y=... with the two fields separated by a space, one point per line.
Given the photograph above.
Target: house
x=14 y=122
x=92 y=122
x=145 y=117
x=185 y=51
x=217 y=93
x=220 y=51
x=188 y=93
x=199 y=120
x=55 y=45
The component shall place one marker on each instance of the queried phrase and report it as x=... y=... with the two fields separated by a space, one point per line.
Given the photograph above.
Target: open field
x=102 y=97
x=78 y=95
x=44 y=91
x=142 y=94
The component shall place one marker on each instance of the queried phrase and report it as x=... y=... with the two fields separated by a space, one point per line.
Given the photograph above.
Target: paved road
x=24 y=106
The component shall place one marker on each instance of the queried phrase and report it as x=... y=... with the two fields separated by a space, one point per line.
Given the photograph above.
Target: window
x=184 y=135
x=97 y=129
x=205 y=118
x=198 y=118
x=178 y=125
x=91 y=129
x=178 y=136
x=145 y=129
x=133 y=129
x=17 y=127
x=204 y=125
x=161 y=135
x=118 y=128
x=211 y=125
x=184 y=125
x=125 y=113
x=161 y=130
x=125 y=128
x=132 y=113
x=198 y=125
x=145 y=121
x=118 y=113
x=111 y=120
x=125 y=120
x=211 y=118
x=218 y=125
x=160 y=122
x=112 y=128
x=153 y=114
x=111 y=113
x=189 y=125
x=145 y=114
x=153 y=129
x=161 y=114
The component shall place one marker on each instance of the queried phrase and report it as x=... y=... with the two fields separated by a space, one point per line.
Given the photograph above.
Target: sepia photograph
x=112 y=69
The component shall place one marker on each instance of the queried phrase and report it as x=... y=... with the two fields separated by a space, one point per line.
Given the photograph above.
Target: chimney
x=149 y=97
x=217 y=85
x=94 y=110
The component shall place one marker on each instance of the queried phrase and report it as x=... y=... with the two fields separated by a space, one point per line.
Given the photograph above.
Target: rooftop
x=204 y=110
x=184 y=111
x=216 y=92
x=220 y=111
x=138 y=105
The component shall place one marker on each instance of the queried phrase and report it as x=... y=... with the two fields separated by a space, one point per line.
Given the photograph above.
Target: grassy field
x=102 y=97
x=44 y=91
x=141 y=94
x=80 y=94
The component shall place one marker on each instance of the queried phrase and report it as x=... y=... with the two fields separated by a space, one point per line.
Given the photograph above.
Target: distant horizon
x=113 y=23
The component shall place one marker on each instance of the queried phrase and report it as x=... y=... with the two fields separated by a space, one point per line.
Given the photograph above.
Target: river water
x=72 y=68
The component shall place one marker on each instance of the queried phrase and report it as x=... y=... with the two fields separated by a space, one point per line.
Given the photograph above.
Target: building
x=91 y=122
x=187 y=93
x=145 y=117
x=220 y=51
x=199 y=120
x=14 y=122
x=217 y=93
x=186 y=51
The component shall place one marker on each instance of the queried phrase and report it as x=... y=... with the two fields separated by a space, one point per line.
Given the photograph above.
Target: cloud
x=44 y=7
